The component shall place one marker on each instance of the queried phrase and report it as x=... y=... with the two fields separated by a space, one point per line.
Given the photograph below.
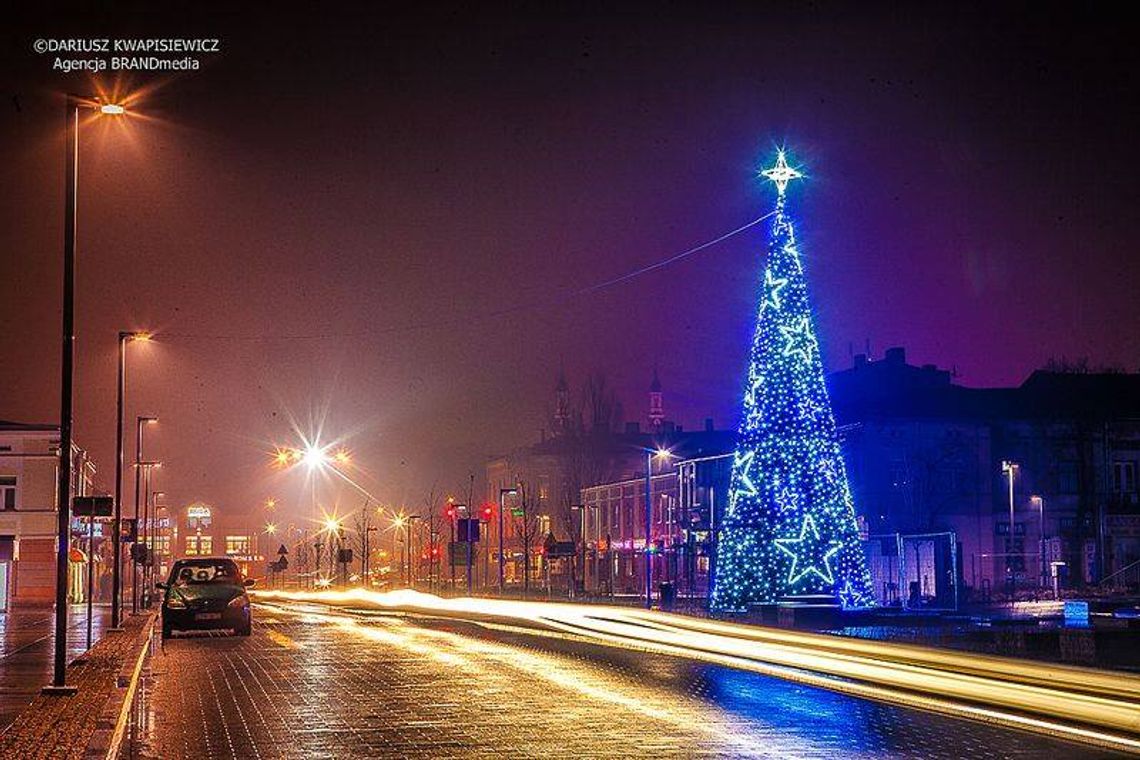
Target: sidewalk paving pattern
x=26 y=641
x=61 y=726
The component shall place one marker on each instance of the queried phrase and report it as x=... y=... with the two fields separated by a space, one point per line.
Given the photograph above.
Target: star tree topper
x=781 y=173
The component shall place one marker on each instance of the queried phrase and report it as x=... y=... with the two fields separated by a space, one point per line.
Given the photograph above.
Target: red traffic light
x=488 y=510
x=451 y=513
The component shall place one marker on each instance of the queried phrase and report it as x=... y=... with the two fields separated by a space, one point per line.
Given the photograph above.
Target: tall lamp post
x=1009 y=469
x=117 y=531
x=67 y=370
x=140 y=422
x=649 y=455
x=502 y=566
x=1039 y=502
x=151 y=521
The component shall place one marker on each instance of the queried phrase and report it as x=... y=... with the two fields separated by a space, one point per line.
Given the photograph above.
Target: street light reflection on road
x=559 y=675
x=1080 y=704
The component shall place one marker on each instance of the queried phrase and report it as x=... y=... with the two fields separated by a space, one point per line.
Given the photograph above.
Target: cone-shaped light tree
x=789 y=529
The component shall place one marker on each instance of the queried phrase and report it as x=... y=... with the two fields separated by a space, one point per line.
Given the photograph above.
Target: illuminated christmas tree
x=789 y=529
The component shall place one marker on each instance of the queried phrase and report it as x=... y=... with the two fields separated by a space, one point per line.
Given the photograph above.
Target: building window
x=1124 y=477
x=543 y=525
x=199 y=545
x=8 y=493
x=1068 y=478
x=237 y=544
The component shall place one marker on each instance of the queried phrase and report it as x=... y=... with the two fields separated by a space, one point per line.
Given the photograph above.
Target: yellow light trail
x=1081 y=704
x=506 y=663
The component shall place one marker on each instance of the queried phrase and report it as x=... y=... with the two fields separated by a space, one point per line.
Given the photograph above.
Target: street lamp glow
x=314 y=457
x=332 y=524
x=663 y=453
x=270 y=529
x=112 y=109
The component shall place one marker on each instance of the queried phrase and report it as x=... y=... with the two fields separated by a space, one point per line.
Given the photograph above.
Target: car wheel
x=166 y=632
x=244 y=630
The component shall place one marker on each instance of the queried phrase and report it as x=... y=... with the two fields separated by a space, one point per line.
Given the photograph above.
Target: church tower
x=561 y=404
x=656 y=408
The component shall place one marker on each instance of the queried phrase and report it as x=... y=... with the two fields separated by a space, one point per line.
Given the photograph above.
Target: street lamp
x=581 y=508
x=117 y=532
x=67 y=371
x=143 y=552
x=502 y=571
x=1009 y=469
x=1039 y=502
x=140 y=423
x=650 y=454
x=150 y=523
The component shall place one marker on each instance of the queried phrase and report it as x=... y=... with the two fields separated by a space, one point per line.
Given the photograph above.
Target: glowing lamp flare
x=112 y=109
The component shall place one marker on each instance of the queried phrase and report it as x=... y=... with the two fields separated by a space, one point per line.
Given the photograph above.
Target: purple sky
x=385 y=184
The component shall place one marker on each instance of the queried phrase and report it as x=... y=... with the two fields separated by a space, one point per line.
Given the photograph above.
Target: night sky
x=376 y=222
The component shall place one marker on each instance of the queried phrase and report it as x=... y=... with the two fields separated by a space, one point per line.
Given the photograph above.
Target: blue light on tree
x=790 y=524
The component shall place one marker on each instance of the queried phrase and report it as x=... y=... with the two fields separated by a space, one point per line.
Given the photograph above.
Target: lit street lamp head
x=314 y=457
x=112 y=109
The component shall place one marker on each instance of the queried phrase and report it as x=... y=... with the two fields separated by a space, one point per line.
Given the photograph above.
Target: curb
x=108 y=738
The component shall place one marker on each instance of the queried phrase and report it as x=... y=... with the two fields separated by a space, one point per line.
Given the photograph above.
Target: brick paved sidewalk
x=62 y=726
x=26 y=644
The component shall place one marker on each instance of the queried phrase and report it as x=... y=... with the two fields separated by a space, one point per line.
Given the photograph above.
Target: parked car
x=205 y=593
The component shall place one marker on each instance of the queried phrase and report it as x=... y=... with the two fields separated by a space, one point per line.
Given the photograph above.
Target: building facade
x=554 y=498
x=925 y=458
x=29 y=464
x=201 y=530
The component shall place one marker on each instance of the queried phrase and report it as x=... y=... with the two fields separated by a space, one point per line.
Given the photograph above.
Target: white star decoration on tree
x=789 y=499
x=744 y=465
x=772 y=285
x=810 y=551
x=850 y=598
x=798 y=339
x=781 y=173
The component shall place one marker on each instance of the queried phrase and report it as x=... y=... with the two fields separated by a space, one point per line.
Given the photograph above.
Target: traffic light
x=488 y=510
x=450 y=512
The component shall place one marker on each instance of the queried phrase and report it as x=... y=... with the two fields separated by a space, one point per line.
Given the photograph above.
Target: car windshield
x=188 y=573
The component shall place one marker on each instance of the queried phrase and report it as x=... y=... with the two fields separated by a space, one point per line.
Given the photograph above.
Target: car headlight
x=239 y=601
x=175 y=603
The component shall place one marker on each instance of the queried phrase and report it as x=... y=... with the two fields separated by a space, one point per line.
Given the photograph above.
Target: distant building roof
x=892 y=388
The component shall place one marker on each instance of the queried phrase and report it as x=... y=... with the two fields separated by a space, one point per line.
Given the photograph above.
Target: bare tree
x=526 y=525
x=600 y=405
x=364 y=525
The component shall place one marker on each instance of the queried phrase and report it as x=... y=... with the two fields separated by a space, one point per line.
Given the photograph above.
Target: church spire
x=561 y=402
x=656 y=406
